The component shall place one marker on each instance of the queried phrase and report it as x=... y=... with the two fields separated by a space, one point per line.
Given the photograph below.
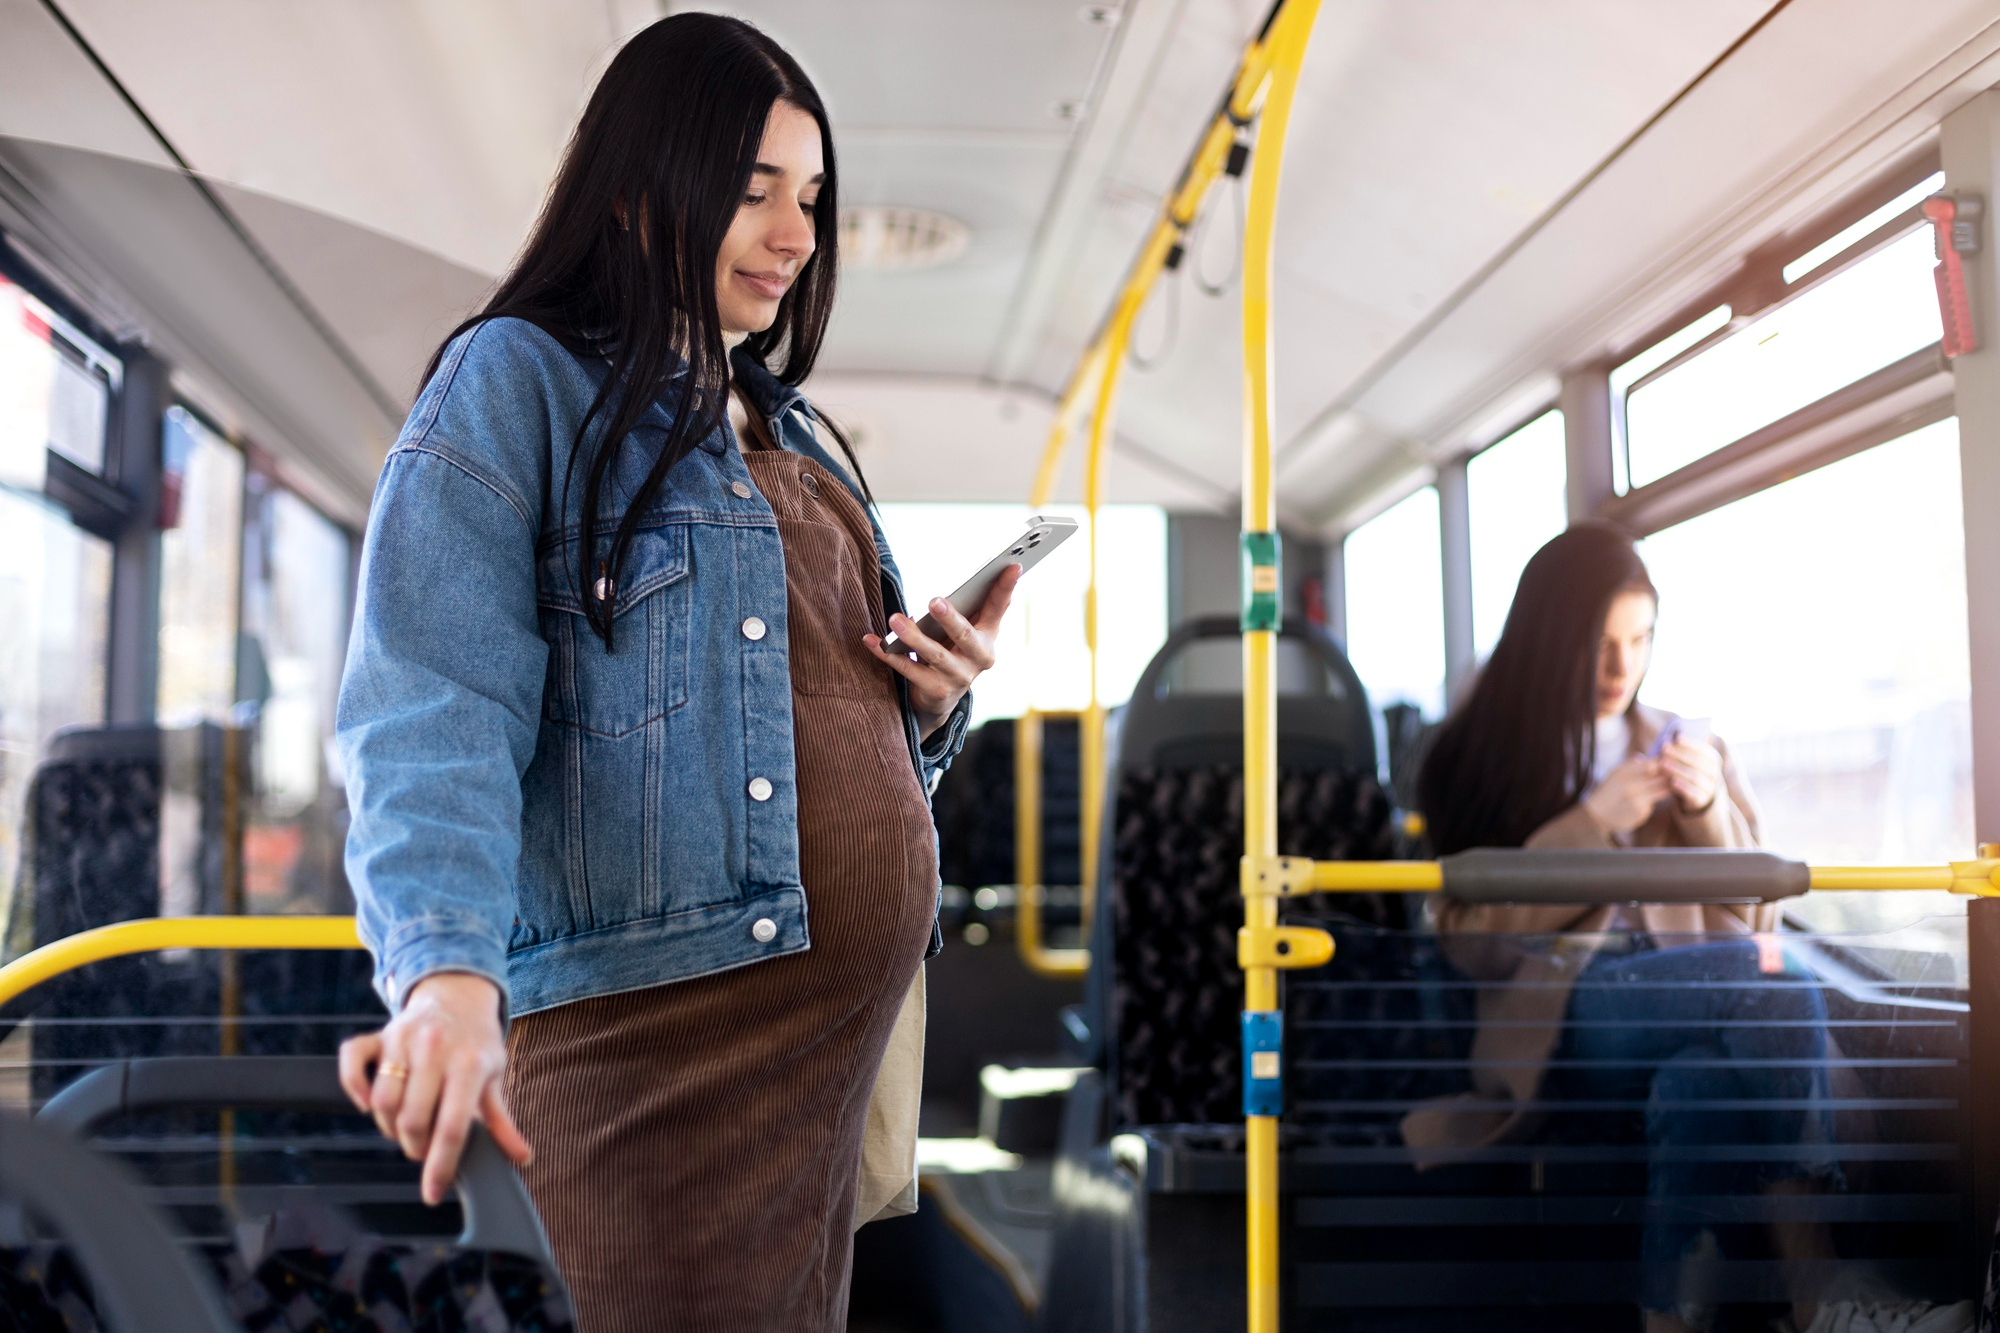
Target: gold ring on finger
x=395 y=1071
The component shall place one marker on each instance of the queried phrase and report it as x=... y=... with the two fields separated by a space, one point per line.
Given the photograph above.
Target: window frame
x=1903 y=396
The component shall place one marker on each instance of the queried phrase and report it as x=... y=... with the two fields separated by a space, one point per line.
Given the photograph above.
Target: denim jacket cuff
x=942 y=746
x=424 y=949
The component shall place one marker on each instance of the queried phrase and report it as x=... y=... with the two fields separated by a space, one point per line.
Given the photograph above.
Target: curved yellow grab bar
x=150 y=934
x=1028 y=854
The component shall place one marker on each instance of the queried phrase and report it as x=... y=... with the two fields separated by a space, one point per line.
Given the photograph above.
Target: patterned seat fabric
x=43 y=1291
x=1176 y=991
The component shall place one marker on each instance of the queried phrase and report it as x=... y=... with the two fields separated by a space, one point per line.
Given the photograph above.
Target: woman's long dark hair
x=621 y=263
x=1519 y=750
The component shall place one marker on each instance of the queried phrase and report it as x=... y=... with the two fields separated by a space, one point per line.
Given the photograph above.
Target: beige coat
x=1520 y=1021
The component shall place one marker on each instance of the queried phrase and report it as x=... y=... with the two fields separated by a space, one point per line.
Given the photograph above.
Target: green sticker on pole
x=1263 y=608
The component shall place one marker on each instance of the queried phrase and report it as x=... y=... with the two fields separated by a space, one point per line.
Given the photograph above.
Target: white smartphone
x=1042 y=536
x=1678 y=729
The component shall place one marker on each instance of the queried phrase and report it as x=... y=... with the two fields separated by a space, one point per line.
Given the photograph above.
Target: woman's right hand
x=1627 y=798
x=439 y=1065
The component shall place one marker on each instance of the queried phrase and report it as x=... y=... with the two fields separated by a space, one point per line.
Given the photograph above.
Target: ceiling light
x=882 y=238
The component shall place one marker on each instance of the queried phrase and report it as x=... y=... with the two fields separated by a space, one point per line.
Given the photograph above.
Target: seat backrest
x=134 y=1276
x=1164 y=991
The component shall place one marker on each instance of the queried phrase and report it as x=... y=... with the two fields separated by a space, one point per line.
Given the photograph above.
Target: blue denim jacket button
x=764 y=931
x=760 y=789
x=753 y=629
x=742 y=489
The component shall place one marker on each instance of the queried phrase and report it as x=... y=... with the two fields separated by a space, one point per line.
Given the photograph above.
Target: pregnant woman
x=641 y=839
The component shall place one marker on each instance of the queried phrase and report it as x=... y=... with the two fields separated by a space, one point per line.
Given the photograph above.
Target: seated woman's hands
x=940 y=672
x=1694 y=771
x=1626 y=798
x=1688 y=770
x=438 y=1066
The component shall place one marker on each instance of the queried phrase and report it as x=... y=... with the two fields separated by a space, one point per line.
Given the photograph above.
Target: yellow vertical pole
x=1103 y=422
x=1285 y=43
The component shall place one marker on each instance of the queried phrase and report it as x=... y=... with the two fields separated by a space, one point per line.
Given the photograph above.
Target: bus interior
x=1322 y=317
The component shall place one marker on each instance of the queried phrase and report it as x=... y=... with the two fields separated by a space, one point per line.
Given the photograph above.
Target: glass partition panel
x=1395 y=604
x=202 y=512
x=1515 y=491
x=1876 y=311
x=1713 y=1125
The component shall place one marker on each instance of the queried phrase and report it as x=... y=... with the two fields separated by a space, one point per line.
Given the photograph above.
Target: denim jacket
x=563 y=820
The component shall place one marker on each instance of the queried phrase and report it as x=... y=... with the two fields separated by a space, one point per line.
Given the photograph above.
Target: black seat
x=109 y=1263
x=1164 y=990
x=297 y=1244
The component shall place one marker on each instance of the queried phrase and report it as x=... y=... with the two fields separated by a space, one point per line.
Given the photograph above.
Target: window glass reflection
x=1856 y=322
x=1822 y=625
x=1516 y=500
x=1395 y=604
x=55 y=593
x=201 y=510
x=295 y=617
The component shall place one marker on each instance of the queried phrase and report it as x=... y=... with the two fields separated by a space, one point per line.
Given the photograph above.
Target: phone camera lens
x=1017 y=550
x=1035 y=540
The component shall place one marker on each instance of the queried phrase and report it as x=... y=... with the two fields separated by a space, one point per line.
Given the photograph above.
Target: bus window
x=938 y=545
x=1821 y=624
x=1395 y=604
x=55 y=578
x=202 y=514
x=1514 y=490
x=295 y=613
x=1877 y=310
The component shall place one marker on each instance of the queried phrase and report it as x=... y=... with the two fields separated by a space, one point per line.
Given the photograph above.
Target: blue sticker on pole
x=1263 y=1062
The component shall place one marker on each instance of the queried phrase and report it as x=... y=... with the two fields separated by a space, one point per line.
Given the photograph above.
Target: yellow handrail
x=1095 y=382
x=1028 y=856
x=150 y=934
x=1283 y=49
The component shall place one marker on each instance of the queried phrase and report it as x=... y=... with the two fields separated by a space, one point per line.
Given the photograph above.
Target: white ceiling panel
x=50 y=91
x=435 y=121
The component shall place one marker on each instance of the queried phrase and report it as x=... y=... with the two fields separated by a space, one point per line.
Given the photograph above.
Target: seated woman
x=1659 y=1006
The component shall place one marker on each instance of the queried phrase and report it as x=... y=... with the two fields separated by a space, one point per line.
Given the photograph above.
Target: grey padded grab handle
x=1626 y=875
x=498 y=1213
x=141 y=1280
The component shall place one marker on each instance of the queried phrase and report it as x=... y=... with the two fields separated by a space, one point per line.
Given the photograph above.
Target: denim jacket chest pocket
x=644 y=675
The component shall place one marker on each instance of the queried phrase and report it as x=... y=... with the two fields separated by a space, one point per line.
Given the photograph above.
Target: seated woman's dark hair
x=1518 y=750
x=621 y=263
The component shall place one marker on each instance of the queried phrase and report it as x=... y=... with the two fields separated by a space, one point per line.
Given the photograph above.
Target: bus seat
x=1164 y=992
x=107 y=1260
x=98 y=815
x=288 y=1244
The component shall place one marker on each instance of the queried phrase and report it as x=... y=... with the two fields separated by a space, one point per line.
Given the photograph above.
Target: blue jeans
x=1723 y=1057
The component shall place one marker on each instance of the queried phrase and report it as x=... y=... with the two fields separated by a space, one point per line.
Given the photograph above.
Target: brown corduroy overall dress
x=697 y=1143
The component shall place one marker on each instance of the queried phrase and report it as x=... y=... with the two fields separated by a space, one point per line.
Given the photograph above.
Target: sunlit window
x=202 y=512
x=55 y=579
x=1822 y=625
x=1043 y=661
x=295 y=612
x=1515 y=494
x=1395 y=605
x=55 y=391
x=1877 y=311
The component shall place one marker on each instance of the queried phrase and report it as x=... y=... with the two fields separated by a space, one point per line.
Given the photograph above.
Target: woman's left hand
x=1694 y=772
x=940 y=671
